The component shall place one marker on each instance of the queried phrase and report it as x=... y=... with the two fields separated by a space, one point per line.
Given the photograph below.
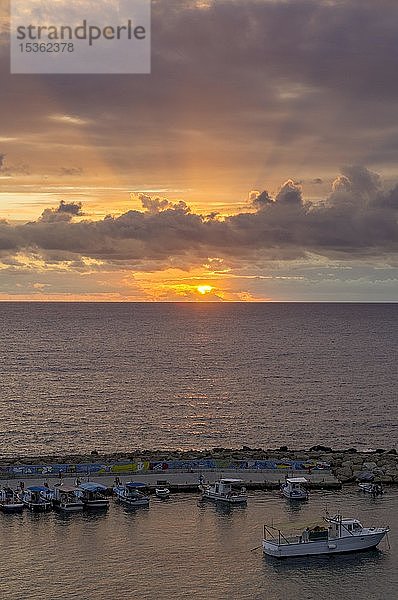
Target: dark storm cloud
x=357 y=220
x=317 y=73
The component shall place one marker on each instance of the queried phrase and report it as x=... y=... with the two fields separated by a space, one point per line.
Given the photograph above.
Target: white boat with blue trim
x=10 y=502
x=131 y=494
x=93 y=496
x=333 y=535
x=162 y=492
x=67 y=498
x=293 y=488
x=38 y=498
x=230 y=491
x=375 y=489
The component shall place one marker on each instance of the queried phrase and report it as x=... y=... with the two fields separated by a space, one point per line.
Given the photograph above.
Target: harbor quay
x=182 y=470
x=186 y=481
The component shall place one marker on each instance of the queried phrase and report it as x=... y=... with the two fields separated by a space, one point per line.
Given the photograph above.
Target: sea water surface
x=84 y=376
x=184 y=548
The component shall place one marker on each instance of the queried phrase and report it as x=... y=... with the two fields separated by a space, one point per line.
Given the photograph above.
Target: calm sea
x=186 y=549
x=78 y=377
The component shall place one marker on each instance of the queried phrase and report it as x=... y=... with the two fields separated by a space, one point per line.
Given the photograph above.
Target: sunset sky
x=258 y=161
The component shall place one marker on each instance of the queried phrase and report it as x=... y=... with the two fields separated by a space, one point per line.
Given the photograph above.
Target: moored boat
x=231 y=491
x=67 y=498
x=37 y=498
x=92 y=496
x=10 y=502
x=293 y=488
x=162 y=492
x=375 y=489
x=332 y=536
x=130 y=495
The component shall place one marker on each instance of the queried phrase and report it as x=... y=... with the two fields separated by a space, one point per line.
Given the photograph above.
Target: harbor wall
x=160 y=466
x=344 y=465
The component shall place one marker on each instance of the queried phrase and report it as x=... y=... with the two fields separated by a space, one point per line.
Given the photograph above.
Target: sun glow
x=204 y=289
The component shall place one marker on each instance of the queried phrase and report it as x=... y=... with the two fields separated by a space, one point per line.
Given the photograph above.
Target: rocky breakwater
x=381 y=466
x=346 y=465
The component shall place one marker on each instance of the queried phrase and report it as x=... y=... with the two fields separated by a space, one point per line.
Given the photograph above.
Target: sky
x=257 y=161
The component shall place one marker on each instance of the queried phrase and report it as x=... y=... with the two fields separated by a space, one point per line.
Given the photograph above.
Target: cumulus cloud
x=362 y=180
x=64 y=212
x=155 y=204
x=341 y=184
x=259 y=199
x=359 y=221
x=290 y=193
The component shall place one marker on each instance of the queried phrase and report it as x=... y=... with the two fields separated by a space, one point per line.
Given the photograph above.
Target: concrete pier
x=188 y=481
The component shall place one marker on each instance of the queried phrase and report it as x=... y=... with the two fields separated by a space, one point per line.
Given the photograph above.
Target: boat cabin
x=65 y=493
x=295 y=483
x=344 y=527
x=37 y=493
x=135 y=488
x=92 y=491
x=229 y=487
x=7 y=494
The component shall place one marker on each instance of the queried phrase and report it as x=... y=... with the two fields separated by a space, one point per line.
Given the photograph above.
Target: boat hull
x=96 y=505
x=129 y=503
x=38 y=507
x=297 y=495
x=225 y=499
x=12 y=507
x=71 y=507
x=355 y=543
x=162 y=494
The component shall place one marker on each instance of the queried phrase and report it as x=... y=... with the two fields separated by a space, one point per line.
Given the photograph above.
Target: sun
x=204 y=289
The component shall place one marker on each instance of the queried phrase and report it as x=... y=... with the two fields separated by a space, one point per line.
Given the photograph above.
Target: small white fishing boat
x=333 y=535
x=293 y=490
x=375 y=489
x=67 y=498
x=231 y=491
x=130 y=495
x=92 y=496
x=162 y=492
x=10 y=502
x=38 y=498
